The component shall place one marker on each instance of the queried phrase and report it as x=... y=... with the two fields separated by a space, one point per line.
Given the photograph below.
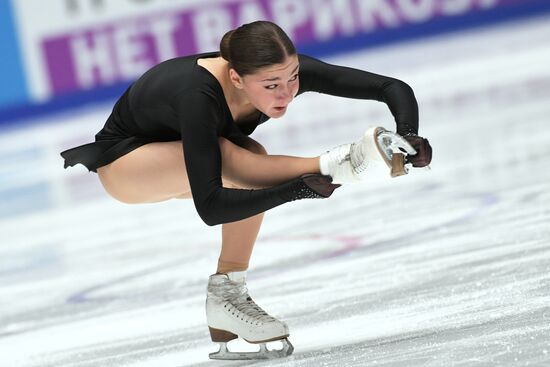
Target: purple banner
x=108 y=54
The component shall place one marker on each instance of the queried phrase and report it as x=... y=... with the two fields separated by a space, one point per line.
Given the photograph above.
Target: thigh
x=239 y=165
x=156 y=172
x=151 y=173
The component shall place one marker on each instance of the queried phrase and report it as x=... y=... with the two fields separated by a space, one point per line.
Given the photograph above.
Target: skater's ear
x=236 y=79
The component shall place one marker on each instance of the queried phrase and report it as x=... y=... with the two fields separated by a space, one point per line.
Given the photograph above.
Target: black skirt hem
x=101 y=153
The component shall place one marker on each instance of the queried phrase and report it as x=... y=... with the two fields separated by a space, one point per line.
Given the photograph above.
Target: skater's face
x=272 y=88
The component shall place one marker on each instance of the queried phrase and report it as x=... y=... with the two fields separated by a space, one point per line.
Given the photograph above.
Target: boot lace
x=236 y=297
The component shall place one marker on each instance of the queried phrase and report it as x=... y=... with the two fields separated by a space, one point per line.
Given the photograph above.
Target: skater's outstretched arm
x=214 y=203
x=321 y=77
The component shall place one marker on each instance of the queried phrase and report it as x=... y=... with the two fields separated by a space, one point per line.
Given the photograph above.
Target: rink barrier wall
x=65 y=81
x=13 y=85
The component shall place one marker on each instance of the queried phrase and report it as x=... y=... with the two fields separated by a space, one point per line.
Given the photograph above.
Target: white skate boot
x=349 y=163
x=230 y=313
x=337 y=164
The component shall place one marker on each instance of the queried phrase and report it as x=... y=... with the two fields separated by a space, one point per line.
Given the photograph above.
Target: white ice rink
x=448 y=267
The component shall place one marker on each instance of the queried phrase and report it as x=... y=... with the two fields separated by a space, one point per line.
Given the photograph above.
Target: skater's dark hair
x=255 y=45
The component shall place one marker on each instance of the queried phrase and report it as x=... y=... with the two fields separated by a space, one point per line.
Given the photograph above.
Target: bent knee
x=244 y=142
x=256 y=147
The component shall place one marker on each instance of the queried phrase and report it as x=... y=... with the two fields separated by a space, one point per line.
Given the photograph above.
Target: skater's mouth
x=279 y=109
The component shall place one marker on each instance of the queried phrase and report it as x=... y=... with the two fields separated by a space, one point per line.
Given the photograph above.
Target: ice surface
x=448 y=267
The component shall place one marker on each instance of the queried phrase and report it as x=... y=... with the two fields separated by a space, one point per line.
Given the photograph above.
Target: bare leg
x=151 y=173
x=156 y=172
x=238 y=239
x=252 y=167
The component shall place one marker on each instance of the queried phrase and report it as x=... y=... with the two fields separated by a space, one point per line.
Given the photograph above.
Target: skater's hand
x=423 y=155
x=322 y=185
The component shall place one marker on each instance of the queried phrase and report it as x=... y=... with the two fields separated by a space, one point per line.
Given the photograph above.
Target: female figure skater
x=181 y=131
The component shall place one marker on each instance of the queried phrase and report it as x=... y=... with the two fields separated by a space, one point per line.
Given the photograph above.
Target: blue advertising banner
x=91 y=50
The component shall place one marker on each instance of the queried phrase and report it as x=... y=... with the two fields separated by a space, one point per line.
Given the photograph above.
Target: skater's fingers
x=321 y=184
x=423 y=155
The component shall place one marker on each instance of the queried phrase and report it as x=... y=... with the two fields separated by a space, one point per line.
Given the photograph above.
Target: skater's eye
x=273 y=86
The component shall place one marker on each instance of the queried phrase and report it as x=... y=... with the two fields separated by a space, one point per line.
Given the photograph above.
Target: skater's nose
x=285 y=94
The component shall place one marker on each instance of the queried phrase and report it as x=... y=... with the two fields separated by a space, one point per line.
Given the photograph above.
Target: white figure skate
x=379 y=144
x=230 y=313
x=349 y=163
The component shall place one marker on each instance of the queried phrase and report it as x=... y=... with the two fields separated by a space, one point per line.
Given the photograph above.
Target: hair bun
x=224 y=45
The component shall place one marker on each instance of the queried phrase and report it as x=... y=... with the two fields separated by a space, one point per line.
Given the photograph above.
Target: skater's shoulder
x=181 y=69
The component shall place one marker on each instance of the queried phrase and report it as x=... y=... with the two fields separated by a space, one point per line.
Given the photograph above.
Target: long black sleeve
x=216 y=204
x=321 y=77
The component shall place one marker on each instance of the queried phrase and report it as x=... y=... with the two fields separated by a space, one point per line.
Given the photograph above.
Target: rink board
x=89 y=51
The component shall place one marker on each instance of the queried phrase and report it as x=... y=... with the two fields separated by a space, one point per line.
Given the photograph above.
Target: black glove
x=322 y=185
x=423 y=155
x=312 y=186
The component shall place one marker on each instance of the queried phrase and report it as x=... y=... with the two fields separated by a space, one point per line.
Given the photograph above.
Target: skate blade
x=398 y=165
x=394 y=154
x=264 y=353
